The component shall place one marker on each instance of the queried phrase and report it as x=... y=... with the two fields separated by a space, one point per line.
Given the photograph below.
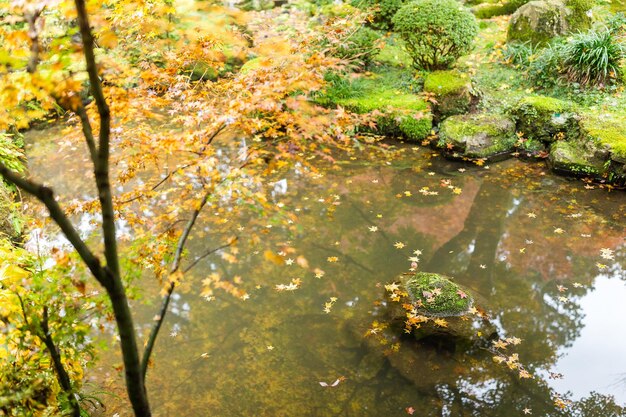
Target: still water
x=546 y=255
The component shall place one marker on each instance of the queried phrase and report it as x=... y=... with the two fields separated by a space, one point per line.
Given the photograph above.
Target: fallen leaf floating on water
x=399 y=245
x=607 y=253
x=410 y=410
x=334 y=384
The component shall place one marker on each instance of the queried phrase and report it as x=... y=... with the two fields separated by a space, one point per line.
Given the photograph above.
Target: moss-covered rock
x=487 y=10
x=609 y=133
x=574 y=159
x=478 y=135
x=436 y=295
x=453 y=92
x=545 y=118
x=541 y=20
x=402 y=113
x=435 y=307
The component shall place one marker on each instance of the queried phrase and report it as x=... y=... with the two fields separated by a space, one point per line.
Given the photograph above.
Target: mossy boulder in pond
x=478 y=135
x=574 y=159
x=545 y=118
x=436 y=295
x=540 y=21
x=436 y=308
x=452 y=90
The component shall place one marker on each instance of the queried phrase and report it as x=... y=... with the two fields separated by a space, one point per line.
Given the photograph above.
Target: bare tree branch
x=62 y=375
x=160 y=317
x=46 y=196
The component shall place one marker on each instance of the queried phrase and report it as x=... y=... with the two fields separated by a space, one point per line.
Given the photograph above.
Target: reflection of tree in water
x=266 y=356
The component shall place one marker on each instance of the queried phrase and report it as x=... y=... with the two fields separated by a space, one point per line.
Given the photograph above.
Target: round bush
x=436 y=32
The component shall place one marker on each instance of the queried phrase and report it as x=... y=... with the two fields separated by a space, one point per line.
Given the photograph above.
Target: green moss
x=446 y=82
x=543 y=118
x=609 y=133
x=384 y=100
x=546 y=104
x=423 y=289
x=416 y=128
x=478 y=135
x=453 y=91
x=403 y=113
x=254 y=63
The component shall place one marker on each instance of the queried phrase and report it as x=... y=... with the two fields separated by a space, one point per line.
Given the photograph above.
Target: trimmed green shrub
x=436 y=32
x=593 y=58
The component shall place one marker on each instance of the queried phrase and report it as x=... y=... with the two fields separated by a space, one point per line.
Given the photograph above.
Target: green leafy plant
x=519 y=53
x=545 y=70
x=593 y=58
x=436 y=32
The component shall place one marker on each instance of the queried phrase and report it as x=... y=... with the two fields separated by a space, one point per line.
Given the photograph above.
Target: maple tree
x=137 y=61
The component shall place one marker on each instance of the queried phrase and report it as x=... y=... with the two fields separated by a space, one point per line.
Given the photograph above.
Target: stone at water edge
x=481 y=135
x=545 y=119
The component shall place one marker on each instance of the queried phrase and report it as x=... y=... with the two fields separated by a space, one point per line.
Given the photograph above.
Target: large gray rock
x=478 y=135
x=541 y=20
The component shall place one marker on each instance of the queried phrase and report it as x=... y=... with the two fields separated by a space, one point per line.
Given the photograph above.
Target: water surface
x=528 y=243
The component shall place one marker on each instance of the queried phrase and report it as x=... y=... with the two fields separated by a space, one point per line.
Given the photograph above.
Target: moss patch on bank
x=389 y=91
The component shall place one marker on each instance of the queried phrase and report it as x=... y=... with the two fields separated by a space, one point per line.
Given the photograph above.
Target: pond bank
x=446 y=116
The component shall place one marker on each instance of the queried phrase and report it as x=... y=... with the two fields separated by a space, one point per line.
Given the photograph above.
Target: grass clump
x=593 y=58
x=437 y=295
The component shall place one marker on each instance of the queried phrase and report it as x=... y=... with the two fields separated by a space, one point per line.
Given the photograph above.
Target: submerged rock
x=478 y=135
x=545 y=118
x=452 y=90
x=541 y=20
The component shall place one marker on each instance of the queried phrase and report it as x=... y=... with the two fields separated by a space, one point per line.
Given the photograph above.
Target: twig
x=172 y=285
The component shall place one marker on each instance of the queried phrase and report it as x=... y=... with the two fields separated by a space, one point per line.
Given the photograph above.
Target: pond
x=545 y=254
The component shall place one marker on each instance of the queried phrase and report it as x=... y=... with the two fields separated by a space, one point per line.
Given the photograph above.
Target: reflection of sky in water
x=597 y=359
